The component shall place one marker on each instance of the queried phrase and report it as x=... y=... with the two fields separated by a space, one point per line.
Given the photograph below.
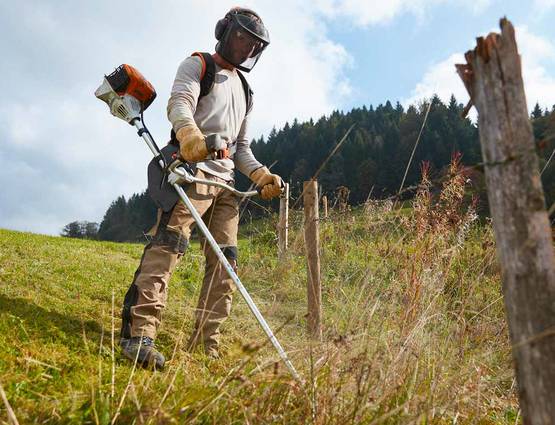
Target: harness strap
x=207 y=74
x=207 y=79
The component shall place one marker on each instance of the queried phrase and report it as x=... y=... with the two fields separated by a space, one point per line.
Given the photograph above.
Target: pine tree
x=115 y=225
x=374 y=156
x=537 y=112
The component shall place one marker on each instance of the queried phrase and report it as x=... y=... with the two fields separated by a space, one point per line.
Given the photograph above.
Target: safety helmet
x=242 y=37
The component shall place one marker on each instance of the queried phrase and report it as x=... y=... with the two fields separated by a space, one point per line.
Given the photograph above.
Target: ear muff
x=221 y=26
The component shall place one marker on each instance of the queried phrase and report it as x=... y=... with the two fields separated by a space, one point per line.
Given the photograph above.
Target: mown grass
x=414 y=328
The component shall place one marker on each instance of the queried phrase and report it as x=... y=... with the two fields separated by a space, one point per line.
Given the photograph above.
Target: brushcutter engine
x=126 y=92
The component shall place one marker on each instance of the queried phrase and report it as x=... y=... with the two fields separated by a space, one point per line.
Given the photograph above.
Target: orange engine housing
x=128 y=80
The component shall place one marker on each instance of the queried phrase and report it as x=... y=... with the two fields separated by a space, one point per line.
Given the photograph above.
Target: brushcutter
x=127 y=93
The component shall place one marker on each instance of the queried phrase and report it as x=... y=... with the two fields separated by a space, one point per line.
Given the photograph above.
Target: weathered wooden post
x=343 y=193
x=325 y=206
x=493 y=79
x=312 y=243
x=283 y=226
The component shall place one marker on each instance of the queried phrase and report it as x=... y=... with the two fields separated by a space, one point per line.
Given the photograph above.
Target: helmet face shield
x=243 y=42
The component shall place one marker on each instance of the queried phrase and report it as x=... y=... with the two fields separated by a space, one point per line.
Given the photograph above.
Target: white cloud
x=536 y=52
x=477 y=6
x=372 y=12
x=440 y=79
x=63 y=157
x=543 y=5
x=299 y=76
x=537 y=56
x=533 y=48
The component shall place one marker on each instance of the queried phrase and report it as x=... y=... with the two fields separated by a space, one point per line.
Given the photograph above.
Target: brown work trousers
x=146 y=298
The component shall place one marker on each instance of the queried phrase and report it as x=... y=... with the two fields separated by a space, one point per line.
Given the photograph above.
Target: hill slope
x=414 y=328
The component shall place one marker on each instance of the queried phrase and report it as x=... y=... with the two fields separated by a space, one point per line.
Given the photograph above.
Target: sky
x=63 y=157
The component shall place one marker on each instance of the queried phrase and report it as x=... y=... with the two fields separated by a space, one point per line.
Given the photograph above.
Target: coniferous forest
x=370 y=163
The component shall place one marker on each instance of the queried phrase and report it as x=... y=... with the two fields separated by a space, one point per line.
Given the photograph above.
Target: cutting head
x=126 y=92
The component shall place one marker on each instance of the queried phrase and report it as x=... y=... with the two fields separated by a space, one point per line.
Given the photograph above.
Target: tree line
x=372 y=160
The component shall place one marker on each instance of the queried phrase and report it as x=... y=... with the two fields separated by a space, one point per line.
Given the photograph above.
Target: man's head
x=241 y=37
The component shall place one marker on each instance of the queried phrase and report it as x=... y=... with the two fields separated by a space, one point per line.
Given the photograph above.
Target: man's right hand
x=192 y=144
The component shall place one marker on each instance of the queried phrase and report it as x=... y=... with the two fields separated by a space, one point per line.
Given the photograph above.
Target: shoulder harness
x=207 y=79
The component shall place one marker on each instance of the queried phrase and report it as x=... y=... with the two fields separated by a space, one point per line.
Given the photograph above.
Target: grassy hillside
x=413 y=323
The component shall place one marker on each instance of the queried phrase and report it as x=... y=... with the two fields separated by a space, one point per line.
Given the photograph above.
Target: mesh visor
x=243 y=42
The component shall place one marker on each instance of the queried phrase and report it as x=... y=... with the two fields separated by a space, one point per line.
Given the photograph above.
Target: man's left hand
x=270 y=184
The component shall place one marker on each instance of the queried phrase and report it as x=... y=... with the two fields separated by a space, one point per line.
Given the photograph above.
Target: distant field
x=414 y=329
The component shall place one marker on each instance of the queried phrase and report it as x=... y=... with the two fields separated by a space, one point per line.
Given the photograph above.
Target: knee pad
x=175 y=241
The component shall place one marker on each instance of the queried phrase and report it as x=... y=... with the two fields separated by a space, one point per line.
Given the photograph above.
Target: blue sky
x=64 y=158
x=391 y=56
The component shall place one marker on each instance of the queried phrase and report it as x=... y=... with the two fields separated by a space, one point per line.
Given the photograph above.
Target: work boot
x=147 y=357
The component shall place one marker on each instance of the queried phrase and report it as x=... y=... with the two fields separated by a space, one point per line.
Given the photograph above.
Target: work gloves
x=270 y=184
x=194 y=146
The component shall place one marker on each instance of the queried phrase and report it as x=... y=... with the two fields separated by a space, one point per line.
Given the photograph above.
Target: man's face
x=243 y=45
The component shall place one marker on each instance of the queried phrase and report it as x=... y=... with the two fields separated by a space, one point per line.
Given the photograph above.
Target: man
x=210 y=127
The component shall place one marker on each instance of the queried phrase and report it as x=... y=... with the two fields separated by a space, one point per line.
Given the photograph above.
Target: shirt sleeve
x=185 y=92
x=244 y=159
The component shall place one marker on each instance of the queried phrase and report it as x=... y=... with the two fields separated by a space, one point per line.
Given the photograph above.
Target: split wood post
x=325 y=206
x=492 y=76
x=283 y=227
x=312 y=243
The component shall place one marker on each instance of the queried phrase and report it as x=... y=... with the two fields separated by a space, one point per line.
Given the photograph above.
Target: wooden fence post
x=312 y=243
x=492 y=76
x=325 y=206
x=283 y=226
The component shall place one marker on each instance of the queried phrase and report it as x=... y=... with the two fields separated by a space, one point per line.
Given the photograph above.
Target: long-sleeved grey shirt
x=222 y=111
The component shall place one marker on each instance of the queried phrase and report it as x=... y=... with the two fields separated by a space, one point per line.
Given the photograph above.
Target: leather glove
x=270 y=184
x=192 y=145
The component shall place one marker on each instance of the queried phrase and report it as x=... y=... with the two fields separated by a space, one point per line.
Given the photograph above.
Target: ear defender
x=221 y=26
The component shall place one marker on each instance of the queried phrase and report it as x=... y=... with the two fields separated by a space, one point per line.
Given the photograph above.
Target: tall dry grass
x=414 y=328
x=413 y=320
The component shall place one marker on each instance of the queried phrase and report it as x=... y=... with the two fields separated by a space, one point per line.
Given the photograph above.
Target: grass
x=414 y=328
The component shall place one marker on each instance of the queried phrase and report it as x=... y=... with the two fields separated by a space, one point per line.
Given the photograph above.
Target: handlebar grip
x=217 y=146
x=222 y=154
x=281 y=186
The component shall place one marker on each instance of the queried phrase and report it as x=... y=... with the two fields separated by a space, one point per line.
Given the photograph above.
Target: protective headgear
x=241 y=38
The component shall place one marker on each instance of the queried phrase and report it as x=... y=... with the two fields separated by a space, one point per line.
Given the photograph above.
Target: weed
x=414 y=329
